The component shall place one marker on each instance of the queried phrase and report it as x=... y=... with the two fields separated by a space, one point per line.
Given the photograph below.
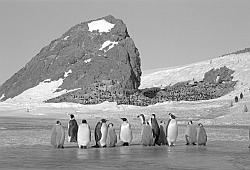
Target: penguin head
x=104 y=120
x=153 y=116
x=200 y=124
x=142 y=118
x=190 y=122
x=110 y=125
x=124 y=119
x=72 y=116
x=84 y=121
x=58 y=122
x=141 y=115
x=172 y=116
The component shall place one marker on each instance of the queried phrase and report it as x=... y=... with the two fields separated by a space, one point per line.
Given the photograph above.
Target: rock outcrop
x=89 y=53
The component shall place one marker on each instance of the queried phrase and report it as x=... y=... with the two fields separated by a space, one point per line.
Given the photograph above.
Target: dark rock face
x=219 y=75
x=92 y=56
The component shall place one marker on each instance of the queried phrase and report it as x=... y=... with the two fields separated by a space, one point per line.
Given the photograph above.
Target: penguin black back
x=98 y=134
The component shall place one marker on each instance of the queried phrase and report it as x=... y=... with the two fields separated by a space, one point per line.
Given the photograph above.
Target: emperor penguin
x=162 y=140
x=172 y=130
x=191 y=133
x=155 y=128
x=104 y=132
x=146 y=132
x=57 y=135
x=101 y=131
x=72 y=129
x=83 y=135
x=201 y=135
x=111 y=136
x=126 y=132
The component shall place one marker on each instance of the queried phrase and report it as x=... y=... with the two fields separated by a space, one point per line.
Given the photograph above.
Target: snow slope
x=43 y=91
x=240 y=63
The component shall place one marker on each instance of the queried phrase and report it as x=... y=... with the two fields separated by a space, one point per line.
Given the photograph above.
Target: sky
x=167 y=33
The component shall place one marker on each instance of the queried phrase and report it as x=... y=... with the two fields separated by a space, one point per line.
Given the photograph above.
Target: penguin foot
x=81 y=147
x=187 y=143
x=171 y=144
x=84 y=147
x=125 y=144
x=194 y=143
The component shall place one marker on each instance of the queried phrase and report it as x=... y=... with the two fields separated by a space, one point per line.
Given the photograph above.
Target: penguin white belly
x=126 y=133
x=83 y=135
x=104 y=132
x=172 y=131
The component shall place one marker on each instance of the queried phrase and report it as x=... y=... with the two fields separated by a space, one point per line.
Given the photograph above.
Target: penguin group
x=152 y=133
x=195 y=134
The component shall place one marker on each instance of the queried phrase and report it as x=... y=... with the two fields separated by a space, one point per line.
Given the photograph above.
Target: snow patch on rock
x=66 y=74
x=87 y=60
x=47 y=80
x=100 y=25
x=3 y=95
x=65 y=38
x=109 y=44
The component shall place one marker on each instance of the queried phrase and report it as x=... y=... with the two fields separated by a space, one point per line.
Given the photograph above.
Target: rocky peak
x=92 y=51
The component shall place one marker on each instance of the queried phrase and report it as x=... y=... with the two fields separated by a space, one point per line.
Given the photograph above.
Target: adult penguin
x=57 y=135
x=191 y=133
x=146 y=132
x=201 y=135
x=72 y=129
x=83 y=135
x=111 y=136
x=172 y=130
x=101 y=131
x=126 y=132
x=155 y=129
x=162 y=140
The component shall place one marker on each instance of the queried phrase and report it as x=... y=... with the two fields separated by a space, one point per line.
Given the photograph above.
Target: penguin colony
x=151 y=134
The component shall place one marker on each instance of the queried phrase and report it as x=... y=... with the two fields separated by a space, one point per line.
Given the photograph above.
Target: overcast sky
x=166 y=32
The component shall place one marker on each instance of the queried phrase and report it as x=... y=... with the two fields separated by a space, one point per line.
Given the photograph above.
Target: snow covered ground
x=212 y=112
